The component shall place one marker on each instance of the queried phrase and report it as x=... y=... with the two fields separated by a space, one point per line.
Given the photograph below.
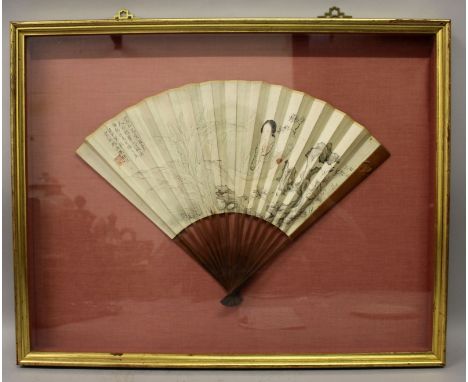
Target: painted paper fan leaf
x=232 y=170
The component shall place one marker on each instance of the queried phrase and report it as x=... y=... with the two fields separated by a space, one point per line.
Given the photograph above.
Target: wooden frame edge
x=443 y=40
x=18 y=185
x=260 y=361
x=20 y=30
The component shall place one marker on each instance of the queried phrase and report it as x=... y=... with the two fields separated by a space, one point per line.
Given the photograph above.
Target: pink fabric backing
x=104 y=278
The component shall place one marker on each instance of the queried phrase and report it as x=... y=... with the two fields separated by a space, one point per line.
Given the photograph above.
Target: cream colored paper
x=228 y=146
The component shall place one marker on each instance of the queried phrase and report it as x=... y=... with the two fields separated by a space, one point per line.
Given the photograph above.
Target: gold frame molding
x=440 y=29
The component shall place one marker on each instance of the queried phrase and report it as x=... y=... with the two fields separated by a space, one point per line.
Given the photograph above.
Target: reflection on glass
x=84 y=252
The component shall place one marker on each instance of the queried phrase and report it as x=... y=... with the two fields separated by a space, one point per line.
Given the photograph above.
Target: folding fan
x=232 y=170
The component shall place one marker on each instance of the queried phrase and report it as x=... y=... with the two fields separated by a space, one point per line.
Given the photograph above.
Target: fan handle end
x=232 y=299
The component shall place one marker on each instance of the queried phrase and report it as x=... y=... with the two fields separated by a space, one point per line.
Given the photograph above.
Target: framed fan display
x=230 y=193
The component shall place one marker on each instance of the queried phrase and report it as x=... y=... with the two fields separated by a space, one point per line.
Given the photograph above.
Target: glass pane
x=104 y=278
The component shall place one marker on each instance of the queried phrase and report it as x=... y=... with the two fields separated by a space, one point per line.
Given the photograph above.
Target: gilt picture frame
x=34 y=344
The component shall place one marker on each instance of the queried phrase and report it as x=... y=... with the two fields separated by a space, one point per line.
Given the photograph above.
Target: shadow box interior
x=103 y=278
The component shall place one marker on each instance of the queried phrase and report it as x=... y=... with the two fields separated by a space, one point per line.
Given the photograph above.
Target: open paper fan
x=232 y=170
